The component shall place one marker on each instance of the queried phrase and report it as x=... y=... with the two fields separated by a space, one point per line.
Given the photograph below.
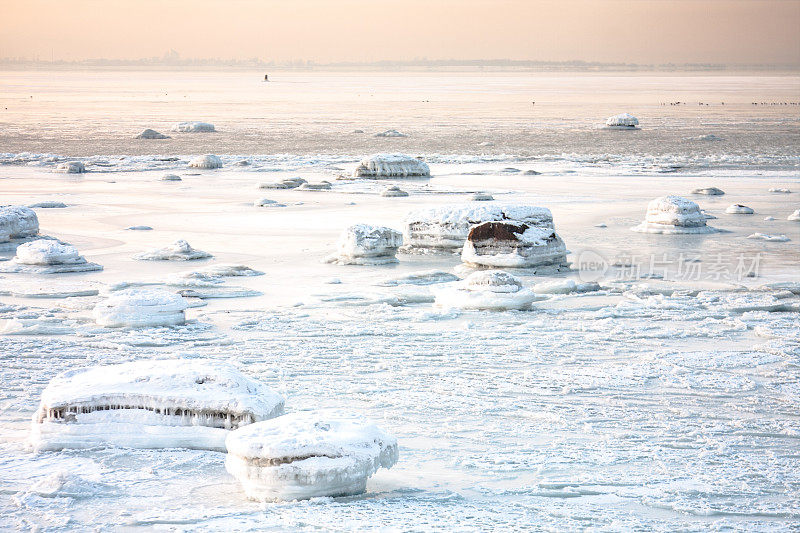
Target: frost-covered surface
x=138 y=308
x=794 y=216
x=391 y=166
x=180 y=250
x=207 y=161
x=308 y=455
x=709 y=191
x=514 y=245
x=739 y=209
x=17 y=222
x=193 y=127
x=48 y=256
x=446 y=227
x=71 y=167
x=488 y=290
x=673 y=214
x=151 y=134
x=623 y=120
x=770 y=238
x=166 y=403
x=363 y=244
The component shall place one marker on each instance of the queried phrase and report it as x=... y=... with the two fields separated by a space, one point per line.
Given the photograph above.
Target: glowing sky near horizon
x=633 y=31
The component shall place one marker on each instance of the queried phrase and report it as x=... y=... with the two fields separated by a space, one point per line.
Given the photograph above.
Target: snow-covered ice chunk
x=48 y=204
x=706 y=137
x=739 y=209
x=17 y=222
x=394 y=192
x=193 y=127
x=673 y=214
x=429 y=277
x=266 y=202
x=186 y=403
x=710 y=191
x=780 y=190
x=71 y=167
x=288 y=183
x=362 y=244
x=769 y=218
x=207 y=161
x=151 y=134
x=514 y=245
x=770 y=238
x=179 y=250
x=139 y=228
x=391 y=166
x=171 y=177
x=321 y=186
x=308 y=455
x=622 y=121
x=48 y=256
x=564 y=286
x=795 y=216
x=486 y=289
x=446 y=227
x=482 y=197
x=141 y=308
x=390 y=133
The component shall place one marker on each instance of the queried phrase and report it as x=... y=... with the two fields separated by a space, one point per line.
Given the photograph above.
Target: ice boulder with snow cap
x=486 y=290
x=709 y=191
x=445 y=228
x=193 y=127
x=141 y=308
x=207 y=161
x=511 y=244
x=363 y=244
x=48 y=256
x=179 y=250
x=17 y=222
x=739 y=209
x=622 y=121
x=308 y=455
x=173 y=403
x=379 y=166
x=673 y=214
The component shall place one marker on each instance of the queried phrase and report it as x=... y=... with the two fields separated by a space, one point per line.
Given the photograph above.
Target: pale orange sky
x=633 y=31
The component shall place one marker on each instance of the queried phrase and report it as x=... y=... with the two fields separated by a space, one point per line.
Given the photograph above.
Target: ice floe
x=186 y=403
x=308 y=454
x=795 y=216
x=193 y=127
x=390 y=133
x=394 y=192
x=513 y=244
x=391 y=166
x=673 y=214
x=486 y=289
x=48 y=256
x=179 y=250
x=151 y=134
x=709 y=191
x=140 y=308
x=622 y=121
x=446 y=227
x=206 y=161
x=363 y=244
x=770 y=238
x=71 y=167
x=739 y=209
x=17 y=222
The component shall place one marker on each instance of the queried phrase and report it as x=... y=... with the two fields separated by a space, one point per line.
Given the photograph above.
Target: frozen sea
x=669 y=399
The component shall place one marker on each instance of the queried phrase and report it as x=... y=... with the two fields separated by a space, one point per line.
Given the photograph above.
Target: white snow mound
x=673 y=214
x=207 y=161
x=739 y=209
x=179 y=250
x=391 y=166
x=363 y=244
x=795 y=216
x=71 y=167
x=709 y=191
x=308 y=455
x=47 y=256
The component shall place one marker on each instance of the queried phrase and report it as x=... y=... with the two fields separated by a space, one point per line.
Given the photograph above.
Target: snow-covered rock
x=486 y=289
x=770 y=238
x=391 y=166
x=206 y=161
x=795 y=216
x=17 y=222
x=186 y=403
x=446 y=227
x=362 y=244
x=288 y=183
x=140 y=308
x=394 y=192
x=482 y=197
x=622 y=121
x=193 y=127
x=48 y=204
x=673 y=214
x=266 y=202
x=780 y=190
x=48 y=256
x=171 y=177
x=739 y=209
x=151 y=134
x=710 y=191
x=71 y=167
x=514 y=245
x=390 y=133
x=307 y=455
x=179 y=250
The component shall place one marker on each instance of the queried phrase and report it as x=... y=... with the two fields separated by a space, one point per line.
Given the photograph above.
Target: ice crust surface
x=364 y=244
x=673 y=214
x=308 y=454
x=391 y=166
x=180 y=250
x=150 y=404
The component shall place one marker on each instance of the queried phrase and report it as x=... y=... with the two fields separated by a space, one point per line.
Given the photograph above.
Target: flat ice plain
x=666 y=400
